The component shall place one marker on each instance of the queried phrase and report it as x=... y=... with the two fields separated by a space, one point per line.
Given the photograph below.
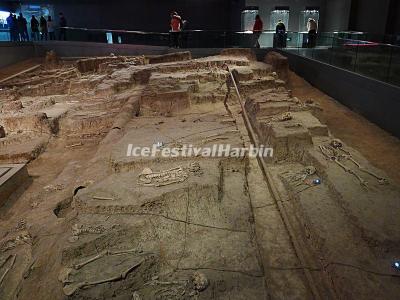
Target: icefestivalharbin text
x=221 y=150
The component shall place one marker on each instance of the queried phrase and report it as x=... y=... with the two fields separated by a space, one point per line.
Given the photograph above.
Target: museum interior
x=187 y=149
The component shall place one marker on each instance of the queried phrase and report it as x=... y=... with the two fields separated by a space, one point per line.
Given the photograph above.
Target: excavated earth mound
x=97 y=219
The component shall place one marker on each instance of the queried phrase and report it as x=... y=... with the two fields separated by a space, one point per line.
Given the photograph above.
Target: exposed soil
x=18 y=67
x=95 y=221
x=379 y=147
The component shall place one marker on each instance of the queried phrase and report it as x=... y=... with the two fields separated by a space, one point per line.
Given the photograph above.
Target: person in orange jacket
x=175 y=24
x=257 y=30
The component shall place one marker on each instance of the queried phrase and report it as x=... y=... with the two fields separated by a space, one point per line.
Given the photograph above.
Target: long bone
x=70 y=289
x=381 y=180
x=348 y=170
x=104 y=253
x=348 y=156
x=13 y=257
x=335 y=158
x=92 y=259
x=4 y=261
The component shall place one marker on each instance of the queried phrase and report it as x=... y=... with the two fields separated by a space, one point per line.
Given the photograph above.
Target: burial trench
x=193 y=227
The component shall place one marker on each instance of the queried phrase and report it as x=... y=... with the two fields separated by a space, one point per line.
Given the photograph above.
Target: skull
x=146 y=171
x=286 y=116
x=335 y=143
x=194 y=167
x=310 y=170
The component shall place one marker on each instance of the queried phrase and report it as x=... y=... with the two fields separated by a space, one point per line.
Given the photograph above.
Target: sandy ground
x=216 y=233
x=378 y=146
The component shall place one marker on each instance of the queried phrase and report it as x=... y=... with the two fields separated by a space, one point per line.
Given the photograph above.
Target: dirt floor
x=18 y=67
x=378 y=146
x=95 y=221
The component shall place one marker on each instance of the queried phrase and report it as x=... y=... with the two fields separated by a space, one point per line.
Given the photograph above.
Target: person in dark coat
x=23 y=28
x=312 y=27
x=14 y=29
x=43 y=28
x=10 y=25
x=34 y=29
x=62 y=36
x=50 y=28
x=280 y=34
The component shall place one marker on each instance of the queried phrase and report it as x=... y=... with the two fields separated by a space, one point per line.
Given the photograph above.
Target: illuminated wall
x=334 y=14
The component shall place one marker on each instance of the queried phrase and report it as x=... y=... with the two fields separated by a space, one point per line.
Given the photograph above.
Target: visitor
x=34 y=29
x=50 y=28
x=175 y=29
x=280 y=35
x=43 y=29
x=62 y=30
x=9 y=21
x=183 y=37
x=23 y=28
x=312 y=28
x=14 y=29
x=257 y=30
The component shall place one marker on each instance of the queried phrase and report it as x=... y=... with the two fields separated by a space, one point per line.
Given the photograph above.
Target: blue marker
x=396 y=265
x=317 y=181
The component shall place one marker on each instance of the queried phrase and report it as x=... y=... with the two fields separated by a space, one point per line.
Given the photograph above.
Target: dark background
x=374 y=16
x=147 y=15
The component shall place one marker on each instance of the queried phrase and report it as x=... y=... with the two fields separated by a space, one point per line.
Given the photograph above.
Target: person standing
x=312 y=28
x=175 y=29
x=62 y=24
x=50 y=28
x=34 y=29
x=10 y=26
x=257 y=30
x=43 y=28
x=280 y=34
x=14 y=28
x=183 y=38
x=23 y=28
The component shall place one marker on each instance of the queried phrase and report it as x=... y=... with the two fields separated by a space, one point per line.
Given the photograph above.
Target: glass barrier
x=394 y=67
x=375 y=60
x=348 y=50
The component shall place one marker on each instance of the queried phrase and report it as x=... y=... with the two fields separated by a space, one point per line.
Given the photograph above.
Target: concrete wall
x=376 y=101
x=11 y=53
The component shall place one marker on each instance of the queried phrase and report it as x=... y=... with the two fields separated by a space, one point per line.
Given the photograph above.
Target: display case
x=3 y=19
x=305 y=15
x=279 y=14
x=248 y=19
x=4 y=31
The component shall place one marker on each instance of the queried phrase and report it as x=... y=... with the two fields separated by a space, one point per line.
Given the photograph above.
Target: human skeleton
x=162 y=178
x=335 y=152
x=299 y=178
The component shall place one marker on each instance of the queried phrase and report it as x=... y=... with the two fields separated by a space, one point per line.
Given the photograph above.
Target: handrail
x=150 y=32
x=331 y=35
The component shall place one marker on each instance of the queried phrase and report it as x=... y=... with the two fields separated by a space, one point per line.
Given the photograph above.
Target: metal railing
x=347 y=50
